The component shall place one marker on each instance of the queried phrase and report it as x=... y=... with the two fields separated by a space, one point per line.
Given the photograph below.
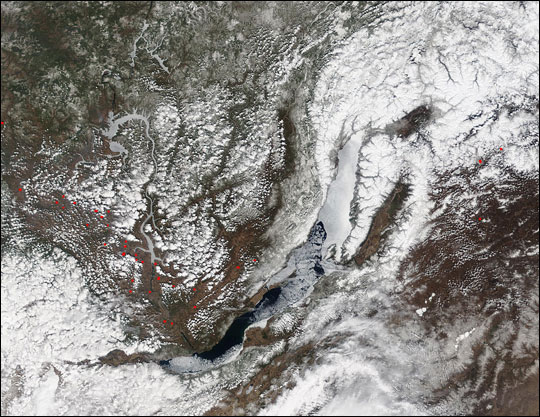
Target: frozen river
x=115 y=123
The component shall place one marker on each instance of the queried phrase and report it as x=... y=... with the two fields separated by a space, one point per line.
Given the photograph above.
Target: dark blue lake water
x=235 y=334
x=303 y=270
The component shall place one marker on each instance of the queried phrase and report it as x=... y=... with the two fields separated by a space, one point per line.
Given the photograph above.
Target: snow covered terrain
x=220 y=137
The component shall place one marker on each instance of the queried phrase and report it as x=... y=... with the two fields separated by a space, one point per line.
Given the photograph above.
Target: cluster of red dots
x=238 y=266
x=480 y=161
x=102 y=216
x=57 y=202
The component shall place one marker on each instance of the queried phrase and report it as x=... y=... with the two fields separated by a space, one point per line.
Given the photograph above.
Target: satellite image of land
x=269 y=208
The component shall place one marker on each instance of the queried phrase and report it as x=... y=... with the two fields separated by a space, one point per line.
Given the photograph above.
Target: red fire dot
x=480 y=218
x=63 y=207
x=194 y=289
x=142 y=262
x=132 y=280
x=254 y=260
x=173 y=285
x=104 y=244
x=20 y=189
x=500 y=149
x=123 y=253
x=238 y=267
x=107 y=225
x=164 y=321
x=480 y=161
x=74 y=202
x=96 y=211
x=125 y=241
x=158 y=278
x=63 y=196
x=108 y=211
x=56 y=202
x=87 y=225
x=194 y=306
x=171 y=323
x=130 y=291
x=155 y=263
x=149 y=291
x=1 y=122
x=101 y=216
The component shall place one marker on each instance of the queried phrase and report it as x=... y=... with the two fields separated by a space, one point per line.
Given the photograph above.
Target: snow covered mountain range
x=372 y=167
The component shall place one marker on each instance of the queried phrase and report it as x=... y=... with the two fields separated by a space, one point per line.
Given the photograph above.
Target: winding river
x=305 y=264
x=115 y=123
